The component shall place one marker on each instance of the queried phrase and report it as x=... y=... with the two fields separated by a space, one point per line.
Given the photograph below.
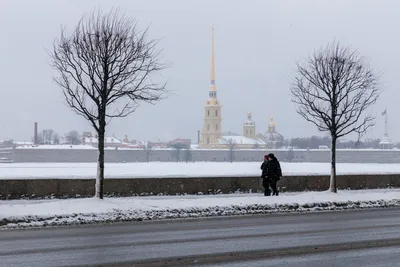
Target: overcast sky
x=257 y=44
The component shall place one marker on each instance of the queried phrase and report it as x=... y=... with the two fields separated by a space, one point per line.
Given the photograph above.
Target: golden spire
x=213 y=87
x=271 y=122
x=271 y=126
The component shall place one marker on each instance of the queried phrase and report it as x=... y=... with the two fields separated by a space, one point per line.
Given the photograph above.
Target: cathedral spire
x=211 y=133
x=213 y=87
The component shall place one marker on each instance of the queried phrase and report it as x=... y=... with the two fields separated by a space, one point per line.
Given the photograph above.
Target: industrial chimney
x=35 y=134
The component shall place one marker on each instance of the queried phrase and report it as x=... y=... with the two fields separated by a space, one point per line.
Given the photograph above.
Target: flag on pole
x=384 y=113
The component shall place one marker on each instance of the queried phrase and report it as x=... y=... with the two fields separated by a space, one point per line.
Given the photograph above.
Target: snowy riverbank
x=174 y=169
x=39 y=213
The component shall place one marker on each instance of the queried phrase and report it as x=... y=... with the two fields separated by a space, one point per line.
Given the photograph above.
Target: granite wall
x=63 y=188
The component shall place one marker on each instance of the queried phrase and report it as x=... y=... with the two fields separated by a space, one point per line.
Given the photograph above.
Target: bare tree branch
x=333 y=90
x=73 y=138
x=48 y=136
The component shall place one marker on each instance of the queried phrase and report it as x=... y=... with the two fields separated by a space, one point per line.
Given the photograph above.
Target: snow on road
x=175 y=169
x=21 y=213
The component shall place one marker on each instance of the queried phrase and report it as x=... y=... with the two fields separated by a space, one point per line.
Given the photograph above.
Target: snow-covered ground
x=174 y=169
x=37 y=213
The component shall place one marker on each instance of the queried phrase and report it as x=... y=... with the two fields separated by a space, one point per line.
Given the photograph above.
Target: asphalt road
x=362 y=238
x=381 y=257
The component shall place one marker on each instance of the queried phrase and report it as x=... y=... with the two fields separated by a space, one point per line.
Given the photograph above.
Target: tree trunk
x=100 y=162
x=332 y=186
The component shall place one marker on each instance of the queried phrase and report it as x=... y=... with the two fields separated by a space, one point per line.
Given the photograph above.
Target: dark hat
x=270 y=155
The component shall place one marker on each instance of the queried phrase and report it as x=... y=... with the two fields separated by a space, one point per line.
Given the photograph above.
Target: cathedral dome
x=272 y=138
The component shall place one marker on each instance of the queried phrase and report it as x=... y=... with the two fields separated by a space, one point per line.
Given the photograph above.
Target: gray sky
x=257 y=44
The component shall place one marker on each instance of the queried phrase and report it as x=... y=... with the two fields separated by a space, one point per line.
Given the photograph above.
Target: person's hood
x=274 y=160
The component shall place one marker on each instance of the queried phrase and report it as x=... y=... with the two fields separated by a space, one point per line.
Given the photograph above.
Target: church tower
x=249 y=127
x=271 y=125
x=211 y=132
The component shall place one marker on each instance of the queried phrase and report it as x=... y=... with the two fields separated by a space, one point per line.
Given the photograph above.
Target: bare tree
x=56 y=139
x=290 y=154
x=177 y=150
x=147 y=150
x=188 y=155
x=104 y=69
x=47 y=136
x=73 y=138
x=333 y=90
x=231 y=145
x=40 y=139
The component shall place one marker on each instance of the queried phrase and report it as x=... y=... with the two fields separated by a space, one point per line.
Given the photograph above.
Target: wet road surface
x=351 y=238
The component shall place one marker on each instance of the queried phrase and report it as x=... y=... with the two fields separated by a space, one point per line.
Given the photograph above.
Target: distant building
x=240 y=142
x=24 y=144
x=249 y=127
x=211 y=134
x=6 y=143
x=108 y=142
x=272 y=138
x=126 y=140
x=180 y=143
x=159 y=145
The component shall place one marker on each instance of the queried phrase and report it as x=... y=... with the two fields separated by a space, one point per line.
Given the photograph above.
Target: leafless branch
x=333 y=90
x=105 y=66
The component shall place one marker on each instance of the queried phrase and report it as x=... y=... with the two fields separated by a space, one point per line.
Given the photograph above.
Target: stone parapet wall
x=72 y=188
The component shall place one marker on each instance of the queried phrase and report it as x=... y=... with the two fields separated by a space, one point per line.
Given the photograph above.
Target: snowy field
x=38 y=213
x=174 y=169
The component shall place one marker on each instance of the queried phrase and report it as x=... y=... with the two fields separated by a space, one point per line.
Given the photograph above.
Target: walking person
x=271 y=174
x=265 y=179
x=274 y=173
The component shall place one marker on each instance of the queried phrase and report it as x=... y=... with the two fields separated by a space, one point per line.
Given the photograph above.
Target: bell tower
x=211 y=132
x=249 y=127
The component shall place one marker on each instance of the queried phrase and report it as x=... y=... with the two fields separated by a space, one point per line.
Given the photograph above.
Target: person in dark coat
x=265 y=180
x=271 y=174
x=264 y=167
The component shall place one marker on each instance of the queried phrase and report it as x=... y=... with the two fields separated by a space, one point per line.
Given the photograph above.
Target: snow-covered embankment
x=39 y=213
